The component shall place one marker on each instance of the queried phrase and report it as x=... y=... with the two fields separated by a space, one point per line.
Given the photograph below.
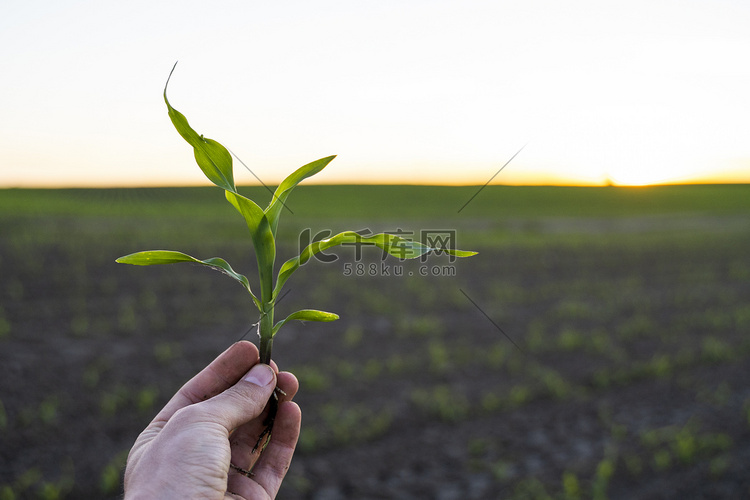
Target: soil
x=632 y=376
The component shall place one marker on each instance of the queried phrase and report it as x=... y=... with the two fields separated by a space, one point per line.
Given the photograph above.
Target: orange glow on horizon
x=348 y=170
x=529 y=180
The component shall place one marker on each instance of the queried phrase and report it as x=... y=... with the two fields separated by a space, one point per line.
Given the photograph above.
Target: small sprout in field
x=440 y=360
x=345 y=369
x=742 y=316
x=149 y=299
x=722 y=394
x=442 y=401
x=164 y=352
x=536 y=338
x=719 y=465
x=716 y=350
x=45 y=413
x=32 y=484
x=355 y=424
x=372 y=369
x=421 y=326
x=3 y=417
x=49 y=410
x=55 y=490
x=637 y=327
x=570 y=339
x=662 y=459
x=571 y=486
x=110 y=479
x=312 y=379
x=660 y=365
x=531 y=487
x=353 y=335
x=491 y=402
x=5 y=327
x=92 y=374
x=396 y=364
x=477 y=447
x=573 y=309
x=496 y=355
x=309 y=440
x=619 y=432
x=519 y=395
x=554 y=384
x=685 y=445
x=28 y=479
x=146 y=399
x=503 y=470
x=600 y=343
x=604 y=471
x=712 y=443
x=6 y=492
x=602 y=378
x=127 y=320
x=113 y=400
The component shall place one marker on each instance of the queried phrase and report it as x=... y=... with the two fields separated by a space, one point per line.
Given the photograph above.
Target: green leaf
x=155 y=257
x=263 y=240
x=250 y=210
x=212 y=157
x=306 y=315
x=394 y=245
x=274 y=209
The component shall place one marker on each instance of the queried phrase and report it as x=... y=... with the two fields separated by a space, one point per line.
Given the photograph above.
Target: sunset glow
x=434 y=92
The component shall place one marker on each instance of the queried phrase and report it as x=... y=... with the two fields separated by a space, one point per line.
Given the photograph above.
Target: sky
x=408 y=91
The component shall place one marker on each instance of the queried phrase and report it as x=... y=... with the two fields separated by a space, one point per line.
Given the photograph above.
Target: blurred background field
x=630 y=308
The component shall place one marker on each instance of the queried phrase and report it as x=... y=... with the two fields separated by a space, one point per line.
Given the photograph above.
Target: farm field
x=597 y=347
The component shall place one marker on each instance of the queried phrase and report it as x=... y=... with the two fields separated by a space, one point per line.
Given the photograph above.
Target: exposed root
x=273 y=408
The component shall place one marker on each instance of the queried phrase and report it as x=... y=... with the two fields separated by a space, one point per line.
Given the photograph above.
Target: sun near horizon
x=628 y=179
x=524 y=170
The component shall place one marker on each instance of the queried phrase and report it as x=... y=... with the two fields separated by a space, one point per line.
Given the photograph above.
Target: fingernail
x=260 y=375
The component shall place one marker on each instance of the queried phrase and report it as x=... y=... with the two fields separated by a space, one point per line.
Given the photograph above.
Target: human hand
x=214 y=420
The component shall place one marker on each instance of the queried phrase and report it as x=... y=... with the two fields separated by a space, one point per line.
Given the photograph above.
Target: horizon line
x=198 y=185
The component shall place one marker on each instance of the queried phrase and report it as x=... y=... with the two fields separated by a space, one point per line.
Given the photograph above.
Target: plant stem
x=266 y=338
x=265 y=330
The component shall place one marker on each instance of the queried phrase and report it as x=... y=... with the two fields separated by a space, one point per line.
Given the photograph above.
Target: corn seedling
x=216 y=163
x=571 y=486
x=604 y=471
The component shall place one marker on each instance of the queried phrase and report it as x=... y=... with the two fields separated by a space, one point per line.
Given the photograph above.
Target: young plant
x=216 y=163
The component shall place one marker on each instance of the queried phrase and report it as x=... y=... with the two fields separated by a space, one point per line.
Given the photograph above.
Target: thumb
x=243 y=401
